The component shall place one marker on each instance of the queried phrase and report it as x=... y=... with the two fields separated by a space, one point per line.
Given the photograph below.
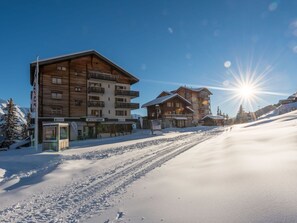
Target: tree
x=241 y=116
x=25 y=126
x=9 y=125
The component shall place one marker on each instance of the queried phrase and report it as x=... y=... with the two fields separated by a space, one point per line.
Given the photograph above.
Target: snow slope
x=247 y=174
x=282 y=109
x=244 y=173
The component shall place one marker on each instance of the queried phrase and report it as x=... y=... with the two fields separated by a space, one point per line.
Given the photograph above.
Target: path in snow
x=92 y=193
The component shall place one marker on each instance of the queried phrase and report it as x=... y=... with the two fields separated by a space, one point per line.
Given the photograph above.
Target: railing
x=96 y=104
x=127 y=93
x=177 y=115
x=126 y=105
x=102 y=76
x=96 y=90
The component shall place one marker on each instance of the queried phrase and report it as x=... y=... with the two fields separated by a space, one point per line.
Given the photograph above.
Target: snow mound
x=282 y=109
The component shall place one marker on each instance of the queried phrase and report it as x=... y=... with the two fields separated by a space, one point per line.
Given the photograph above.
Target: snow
x=163 y=99
x=282 y=109
x=243 y=173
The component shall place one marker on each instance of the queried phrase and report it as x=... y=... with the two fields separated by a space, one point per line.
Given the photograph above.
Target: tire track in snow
x=83 y=199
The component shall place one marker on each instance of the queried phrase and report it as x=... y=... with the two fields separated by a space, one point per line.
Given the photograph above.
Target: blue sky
x=164 y=43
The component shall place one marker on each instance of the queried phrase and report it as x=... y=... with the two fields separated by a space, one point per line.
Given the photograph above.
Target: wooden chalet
x=88 y=91
x=197 y=106
x=172 y=109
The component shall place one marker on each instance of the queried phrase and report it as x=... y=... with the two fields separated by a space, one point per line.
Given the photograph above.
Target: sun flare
x=246 y=91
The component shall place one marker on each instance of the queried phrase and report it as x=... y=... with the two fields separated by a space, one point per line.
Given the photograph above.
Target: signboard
x=95 y=119
x=59 y=119
x=156 y=125
x=121 y=119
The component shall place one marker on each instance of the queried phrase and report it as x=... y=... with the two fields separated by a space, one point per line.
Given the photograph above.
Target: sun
x=246 y=91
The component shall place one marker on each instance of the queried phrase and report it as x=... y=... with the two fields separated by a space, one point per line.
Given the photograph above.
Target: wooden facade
x=173 y=110
x=82 y=88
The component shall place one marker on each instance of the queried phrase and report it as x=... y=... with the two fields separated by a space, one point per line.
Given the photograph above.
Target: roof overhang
x=75 y=56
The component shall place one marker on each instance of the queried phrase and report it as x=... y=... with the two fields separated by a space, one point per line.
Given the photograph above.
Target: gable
x=93 y=59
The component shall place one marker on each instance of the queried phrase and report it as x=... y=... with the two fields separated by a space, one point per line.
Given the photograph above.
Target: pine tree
x=25 y=126
x=241 y=116
x=9 y=125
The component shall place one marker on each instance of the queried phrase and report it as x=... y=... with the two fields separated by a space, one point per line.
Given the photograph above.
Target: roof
x=215 y=117
x=166 y=92
x=163 y=99
x=193 y=89
x=78 y=55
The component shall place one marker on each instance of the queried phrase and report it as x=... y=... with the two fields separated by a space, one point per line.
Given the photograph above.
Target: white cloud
x=170 y=30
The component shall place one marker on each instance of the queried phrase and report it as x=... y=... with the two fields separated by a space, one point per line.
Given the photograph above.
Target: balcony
x=101 y=76
x=126 y=105
x=96 y=104
x=133 y=94
x=96 y=90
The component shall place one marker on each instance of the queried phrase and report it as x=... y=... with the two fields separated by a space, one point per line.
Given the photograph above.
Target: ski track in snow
x=91 y=194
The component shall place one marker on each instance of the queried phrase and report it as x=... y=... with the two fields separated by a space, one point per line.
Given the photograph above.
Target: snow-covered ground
x=244 y=173
x=77 y=183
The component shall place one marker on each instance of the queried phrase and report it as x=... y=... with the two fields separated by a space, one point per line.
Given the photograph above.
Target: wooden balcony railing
x=96 y=90
x=102 y=76
x=126 y=105
x=127 y=93
x=96 y=104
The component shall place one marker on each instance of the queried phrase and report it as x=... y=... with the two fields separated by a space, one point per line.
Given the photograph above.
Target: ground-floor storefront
x=179 y=122
x=92 y=128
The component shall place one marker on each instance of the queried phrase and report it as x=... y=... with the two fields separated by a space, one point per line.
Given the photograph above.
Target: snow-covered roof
x=215 y=117
x=163 y=99
x=77 y=55
x=193 y=89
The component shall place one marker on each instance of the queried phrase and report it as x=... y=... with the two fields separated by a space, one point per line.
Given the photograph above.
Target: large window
x=57 y=95
x=61 y=68
x=57 y=111
x=50 y=133
x=56 y=80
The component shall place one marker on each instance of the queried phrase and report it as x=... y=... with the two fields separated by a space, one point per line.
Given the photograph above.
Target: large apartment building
x=88 y=91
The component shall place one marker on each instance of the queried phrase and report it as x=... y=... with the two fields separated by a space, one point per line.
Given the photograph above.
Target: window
x=77 y=89
x=57 y=111
x=50 y=133
x=177 y=104
x=56 y=80
x=121 y=113
x=63 y=133
x=94 y=98
x=61 y=68
x=121 y=100
x=92 y=84
x=56 y=95
x=121 y=87
x=96 y=113
x=77 y=102
x=169 y=104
